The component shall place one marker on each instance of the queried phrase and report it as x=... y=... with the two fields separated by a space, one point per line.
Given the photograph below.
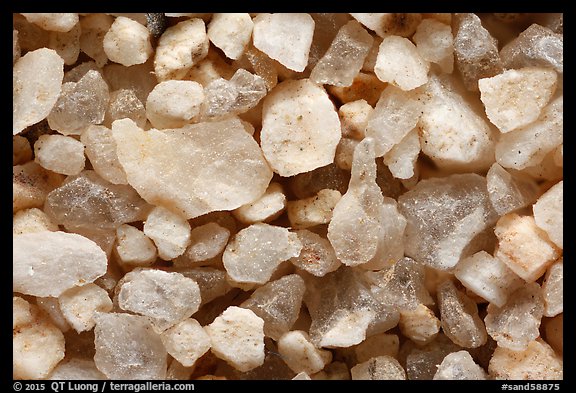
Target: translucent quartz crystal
x=76 y=73
x=37 y=345
x=548 y=213
x=60 y=154
x=459 y=317
x=278 y=304
x=100 y=148
x=94 y=28
x=527 y=146
x=459 y=366
x=231 y=32
x=553 y=289
x=354 y=118
x=124 y=103
x=195 y=169
x=308 y=184
x=422 y=362
x=537 y=362
x=344 y=310
x=36 y=84
x=31 y=184
x=326 y=26
x=179 y=48
x=443 y=216
x=517 y=323
x=395 y=115
x=401 y=286
x=300 y=354
x=453 y=133
x=285 y=37
x=238 y=95
x=88 y=201
x=206 y=242
x=377 y=345
x=128 y=348
x=401 y=159
x=312 y=211
x=173 y=103
x=66 y=44
x=166 y=298
x=133 y=247
x=475 y=49
x=300 y=127
x=385 y=24
x=419 y=325
x=400 y=64
x=127 y=42
x=536 y=46
x=186 y=341
x=487 y=277
x=80 y=104
x=53 y=21
x=76 y=369
x=212 y=282
x=379 y=242
x=317 y=256
x=515 y=98
x=267 y=208
x=378 y=368
x=509 y=192
x=435 y=43
x=79 y=304
x=345 y=56
x=48 y=263
x=237 y=337
x=256 y=251
x=170 y=232
x=32 y=220
x=536 y=253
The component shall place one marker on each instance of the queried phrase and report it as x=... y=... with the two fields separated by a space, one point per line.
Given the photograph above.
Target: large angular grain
x=231 y=32
x=536 y=46
x=452 y=133
x=379 y=242
x=128 y=348
x=400 y=64
x=524 y=247
x=36 y=83
x=528 y=146
x=475 y=49
x=48 y=263
x=179 y=48
x=193 y=170
x=256 y=251
x=237 y=336
x=443 y=216
x=345 y=56
x=515 y=98
x=86 y=201
x=537 y=362
x=285 y=37
x=300 y=127
x=278 y=304
x=517 y=323
x=166 y=298
x=548 y=213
